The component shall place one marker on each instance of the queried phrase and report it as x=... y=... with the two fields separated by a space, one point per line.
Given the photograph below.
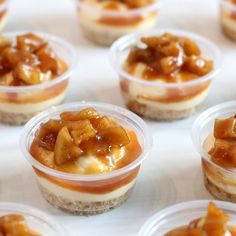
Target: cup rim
x=127 y=13
x=50 y=38
x=34 y=212
x=150 y=223
x=203 y=118
x=130 y=117
x=228 y=4
x=130 y=39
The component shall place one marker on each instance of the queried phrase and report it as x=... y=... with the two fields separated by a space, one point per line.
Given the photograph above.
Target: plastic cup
x=36 y=220
x=228 y=18
x=87 y=194
x=158 y=100
x=182 y=214
x=20 y=103
x=103 y=26
x=220 y=182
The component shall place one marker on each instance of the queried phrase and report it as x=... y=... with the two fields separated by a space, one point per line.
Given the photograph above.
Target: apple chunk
x=114 y=136
x=65 y=149
x=225 y=128
x=85 y=114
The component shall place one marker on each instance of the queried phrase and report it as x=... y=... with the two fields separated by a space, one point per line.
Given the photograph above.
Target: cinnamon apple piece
x=101 y=123
x=85 y=114
x=65 y=148
x=83 y=131
x=114 y=136
x=225 y=128
x=29 y=42
x=190 y=47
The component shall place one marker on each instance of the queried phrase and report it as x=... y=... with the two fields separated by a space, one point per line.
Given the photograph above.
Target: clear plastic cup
x=103 y=27
x=3 y=13
x=182 y=214
x=158 y=100
x=87 y=194
x=19 y=104
x=36 y=219
x=220 y=182
x=228 y=18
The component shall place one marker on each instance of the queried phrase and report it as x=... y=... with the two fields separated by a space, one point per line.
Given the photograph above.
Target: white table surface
x=172 y=172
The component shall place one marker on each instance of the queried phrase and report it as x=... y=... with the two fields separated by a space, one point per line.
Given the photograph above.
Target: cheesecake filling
x=26 y=108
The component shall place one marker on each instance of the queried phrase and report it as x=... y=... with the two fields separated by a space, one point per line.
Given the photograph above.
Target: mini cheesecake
x=85 y=143
x=161 y=66
x=228 y=18
x=29 y=69
x=220 y=170
x=15 y=225
x=104 y=21
x=215 y=223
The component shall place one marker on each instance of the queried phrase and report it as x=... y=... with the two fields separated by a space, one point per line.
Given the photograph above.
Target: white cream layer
x=207 y=145
x=31 y=107
x=73 y=195
x=137 y=91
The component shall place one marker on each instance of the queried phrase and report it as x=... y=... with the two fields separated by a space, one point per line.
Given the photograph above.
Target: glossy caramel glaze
x=15 y=225
x=215 y=223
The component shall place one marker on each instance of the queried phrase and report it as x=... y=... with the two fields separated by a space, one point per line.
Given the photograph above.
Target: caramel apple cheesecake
x=215 y=223
x=86 y=161
x=104 y=21
x=228 y=18
x=34 y=73
x=165 y=76
x=194 y=218
x=214 y=135
x=15 y=225
x=21 y=220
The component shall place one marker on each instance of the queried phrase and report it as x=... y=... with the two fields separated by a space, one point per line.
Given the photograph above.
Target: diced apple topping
x=86 y=114
x=65 y=148
x=77 y=134
x=224 y=150
x=15 y=225
x=132 y=3
x=115 y=136
x=29 y=61
x=169 y=54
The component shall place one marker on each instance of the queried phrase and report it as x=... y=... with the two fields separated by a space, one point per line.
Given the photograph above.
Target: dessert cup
x=20 y=103
x=87 y=194
x=36 y=219
x=228 y=18
x=180 y=214
x=220 y=182
x=103 y=27
x=159 y=100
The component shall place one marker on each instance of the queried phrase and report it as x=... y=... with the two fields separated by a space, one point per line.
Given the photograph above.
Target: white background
x=172 y=172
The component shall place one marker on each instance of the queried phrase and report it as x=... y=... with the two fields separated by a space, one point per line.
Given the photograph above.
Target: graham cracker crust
x=15 y=118
x=231 y=34
x=83 y=208
x=100 y=38
x=153 y=113
x=218 y=192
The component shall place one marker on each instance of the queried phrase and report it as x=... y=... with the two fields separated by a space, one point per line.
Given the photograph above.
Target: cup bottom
x=83 y=208
x=231 y=34
x=151 y=112
x=217 y=192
